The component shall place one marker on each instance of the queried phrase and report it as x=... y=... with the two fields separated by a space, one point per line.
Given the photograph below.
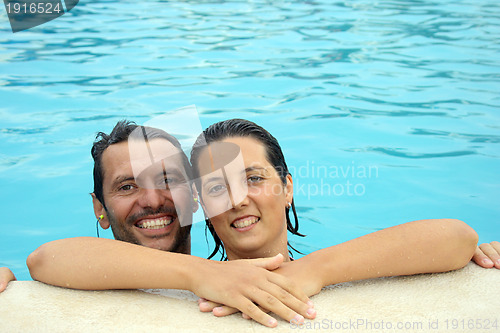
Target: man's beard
x=123 y=233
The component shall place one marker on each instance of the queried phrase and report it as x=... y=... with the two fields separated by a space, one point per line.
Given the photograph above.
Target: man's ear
x=98 y=211
x=289 y=188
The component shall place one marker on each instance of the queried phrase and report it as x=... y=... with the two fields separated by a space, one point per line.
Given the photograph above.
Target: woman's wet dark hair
x=245 y=128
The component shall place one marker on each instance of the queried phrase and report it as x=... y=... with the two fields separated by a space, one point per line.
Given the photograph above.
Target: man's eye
x=171 y=181
x=126 y=187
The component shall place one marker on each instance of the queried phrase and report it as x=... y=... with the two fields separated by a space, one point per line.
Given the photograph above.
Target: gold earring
x=97 y=224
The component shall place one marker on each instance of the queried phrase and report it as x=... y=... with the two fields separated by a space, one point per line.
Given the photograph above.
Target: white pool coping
x=464 y=300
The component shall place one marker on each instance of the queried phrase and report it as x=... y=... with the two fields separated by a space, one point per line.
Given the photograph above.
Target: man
x=141 y=183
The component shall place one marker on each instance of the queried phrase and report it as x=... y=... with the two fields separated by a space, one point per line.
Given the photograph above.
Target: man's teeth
x=155 y=224
x=245 y=223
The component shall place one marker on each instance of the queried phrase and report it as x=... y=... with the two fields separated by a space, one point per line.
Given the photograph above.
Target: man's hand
x=5 y=277
x=253 y=290
x=487 y=255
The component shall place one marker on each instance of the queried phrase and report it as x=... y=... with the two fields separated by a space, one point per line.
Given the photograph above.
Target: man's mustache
x=149 y=211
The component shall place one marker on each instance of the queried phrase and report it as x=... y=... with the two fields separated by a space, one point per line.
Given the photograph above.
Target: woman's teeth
x=155 y=224
x=245 y=223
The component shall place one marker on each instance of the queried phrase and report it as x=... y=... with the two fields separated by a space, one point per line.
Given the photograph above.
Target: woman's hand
x=304 y=273
x=295 y=271
x=255 y=292
x=5 y=277
x=487 y=255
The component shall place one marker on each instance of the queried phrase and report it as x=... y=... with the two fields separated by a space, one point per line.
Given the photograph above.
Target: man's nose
x=152 y=197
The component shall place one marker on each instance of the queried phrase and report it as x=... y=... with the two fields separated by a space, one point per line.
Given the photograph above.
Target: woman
x=256 y=225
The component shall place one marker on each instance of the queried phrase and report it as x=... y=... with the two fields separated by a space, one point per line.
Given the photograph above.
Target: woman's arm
x=425 y=246
x=5 y=277
x=97 y=264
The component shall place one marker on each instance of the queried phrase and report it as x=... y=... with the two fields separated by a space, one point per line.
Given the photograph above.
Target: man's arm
x=5 y=277
x=97 y=264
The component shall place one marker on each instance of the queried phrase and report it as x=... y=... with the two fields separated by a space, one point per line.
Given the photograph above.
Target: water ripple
x=13 y=161
x=25 y=131
x=473 y=138
x=404 y=153
x=407 y=81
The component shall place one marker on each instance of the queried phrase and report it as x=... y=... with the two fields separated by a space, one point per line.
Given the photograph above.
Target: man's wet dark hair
x=121 y=132
x=244 y=128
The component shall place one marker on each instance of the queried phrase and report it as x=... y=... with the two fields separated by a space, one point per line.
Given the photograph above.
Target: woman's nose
x=240 y=201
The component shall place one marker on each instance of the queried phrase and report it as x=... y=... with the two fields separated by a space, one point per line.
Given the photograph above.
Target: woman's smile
x=245 y=223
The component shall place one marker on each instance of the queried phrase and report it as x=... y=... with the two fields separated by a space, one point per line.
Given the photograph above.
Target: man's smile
x=156 y=223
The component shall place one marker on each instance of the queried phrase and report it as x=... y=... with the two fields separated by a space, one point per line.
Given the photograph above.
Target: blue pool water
x=387 y=111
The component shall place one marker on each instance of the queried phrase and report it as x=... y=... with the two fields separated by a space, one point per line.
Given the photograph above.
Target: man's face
x=146 y=209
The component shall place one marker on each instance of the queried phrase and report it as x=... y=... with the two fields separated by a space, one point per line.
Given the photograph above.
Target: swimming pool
x=387 y=111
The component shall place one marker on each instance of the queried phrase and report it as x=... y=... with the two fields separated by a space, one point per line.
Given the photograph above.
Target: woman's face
x=253 y=222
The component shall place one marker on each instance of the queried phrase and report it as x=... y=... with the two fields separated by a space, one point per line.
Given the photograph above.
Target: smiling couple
x=146 y=190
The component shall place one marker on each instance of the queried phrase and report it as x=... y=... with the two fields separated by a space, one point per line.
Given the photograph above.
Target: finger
x=253 y=311
x=280 y=306
x=491 y=251
x=289 y=307
x=481 y=259
x=245 y=316
x=270 y=264
x=222 y=311
x=5 y=277
x=207 y=306
x=496 y=246
x=293 y=296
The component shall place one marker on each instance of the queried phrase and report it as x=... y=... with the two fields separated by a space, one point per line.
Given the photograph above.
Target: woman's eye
x=254 y=179
x=216 y=189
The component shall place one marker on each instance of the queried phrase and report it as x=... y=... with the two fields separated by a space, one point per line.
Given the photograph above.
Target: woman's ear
x=100 y=211
x=289 y=189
